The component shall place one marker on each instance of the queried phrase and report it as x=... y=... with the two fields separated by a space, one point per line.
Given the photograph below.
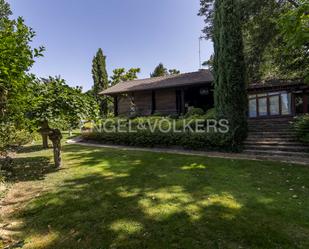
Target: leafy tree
x=294 y=25
x=173 y=71
x=100 y=80
x=131 y=74
x=54 y=101
x=294 y=29
x=121 y=75
x=160 y=70
x=5 y=10
x=229 y=68
x=262 y=37
x=16 y=59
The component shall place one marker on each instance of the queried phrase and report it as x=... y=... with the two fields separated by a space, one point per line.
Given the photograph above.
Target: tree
x=173 y=71
x=16 y=59
x=262 y=37
x=5 y=10
x=121 y=75
x=229 y=68
x=100 y=80
x=294 y=30
x=52 y=101
x=160 y=70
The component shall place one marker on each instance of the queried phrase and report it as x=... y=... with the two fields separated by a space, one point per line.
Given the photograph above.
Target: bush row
x=149 y=137
x=146 y=138
x=301 y=126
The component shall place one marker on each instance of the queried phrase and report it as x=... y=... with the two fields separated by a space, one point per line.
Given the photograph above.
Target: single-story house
x=175 y=94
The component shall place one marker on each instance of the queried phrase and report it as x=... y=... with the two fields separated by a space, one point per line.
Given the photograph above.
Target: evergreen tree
x=160 y=70
x=100 y=80
x=229 y=68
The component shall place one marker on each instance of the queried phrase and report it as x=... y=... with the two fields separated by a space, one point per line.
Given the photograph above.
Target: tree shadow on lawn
x=147 y=200
x=28 y=169
x=30 y=148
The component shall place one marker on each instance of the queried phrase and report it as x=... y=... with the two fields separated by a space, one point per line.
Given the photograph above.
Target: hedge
x=301 y=127
x=145 y=138
x=149 y=137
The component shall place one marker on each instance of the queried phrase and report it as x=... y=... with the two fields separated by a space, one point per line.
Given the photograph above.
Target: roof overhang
x=171 y=81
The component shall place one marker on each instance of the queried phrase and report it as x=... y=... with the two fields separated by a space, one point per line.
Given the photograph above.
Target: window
x=285 y=103
x=274 y=105
x=262 y=106
x=252 y=108
x=269 y=104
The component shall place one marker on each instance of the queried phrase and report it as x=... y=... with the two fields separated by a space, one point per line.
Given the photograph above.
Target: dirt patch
x=15 y=200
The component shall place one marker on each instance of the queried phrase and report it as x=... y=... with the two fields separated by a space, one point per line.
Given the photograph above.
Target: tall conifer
x=100 y=80
x=229 y=68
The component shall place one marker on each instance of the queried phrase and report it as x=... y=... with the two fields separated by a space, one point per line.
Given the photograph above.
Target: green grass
x=106 y=198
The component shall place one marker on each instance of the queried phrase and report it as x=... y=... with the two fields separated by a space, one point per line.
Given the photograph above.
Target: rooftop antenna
x=199 y=52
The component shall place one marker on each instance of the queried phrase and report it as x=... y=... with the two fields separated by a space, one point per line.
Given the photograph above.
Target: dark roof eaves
x=156 y=88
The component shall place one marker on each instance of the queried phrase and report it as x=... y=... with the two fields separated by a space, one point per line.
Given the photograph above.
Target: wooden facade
x=163 y=101
x=145 y=103
x=177 y=94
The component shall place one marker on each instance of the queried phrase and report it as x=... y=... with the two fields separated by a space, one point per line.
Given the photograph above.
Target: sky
x=132 y=33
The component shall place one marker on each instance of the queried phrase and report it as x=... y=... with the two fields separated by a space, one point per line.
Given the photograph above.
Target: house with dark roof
x=176 y=94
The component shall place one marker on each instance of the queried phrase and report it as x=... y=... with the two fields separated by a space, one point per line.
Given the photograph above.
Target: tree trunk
x=44 y=133
x=44 y=141
x=57 y=153
x=55 y=136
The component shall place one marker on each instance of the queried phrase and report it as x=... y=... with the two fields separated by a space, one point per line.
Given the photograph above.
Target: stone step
x=271 y=137
x=267 y=122
x=255 y=135
x=270 y=119
x=276 y=153
x=270 y=123
x=272 y=142
x=275 y=132
x=278 y=148
x=271 y=129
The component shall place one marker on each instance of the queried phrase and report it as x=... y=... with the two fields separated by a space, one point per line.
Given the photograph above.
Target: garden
x=59 y=195
x=107 y=198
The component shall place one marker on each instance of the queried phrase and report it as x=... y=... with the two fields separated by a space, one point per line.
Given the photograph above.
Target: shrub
x=11 y=137
x=145 y=138
x=147 y=134
x=194 y=112
x=87 y=125
x=210 y=114
x=301 y=127
x=173 y=116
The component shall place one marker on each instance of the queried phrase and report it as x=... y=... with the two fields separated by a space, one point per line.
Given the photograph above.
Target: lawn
x=107 y=198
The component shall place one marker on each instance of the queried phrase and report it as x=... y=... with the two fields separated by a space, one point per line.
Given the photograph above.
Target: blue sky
x=132 y=33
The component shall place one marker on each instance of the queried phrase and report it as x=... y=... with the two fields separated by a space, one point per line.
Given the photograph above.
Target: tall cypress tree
x=100 y=80
x=229 y=68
